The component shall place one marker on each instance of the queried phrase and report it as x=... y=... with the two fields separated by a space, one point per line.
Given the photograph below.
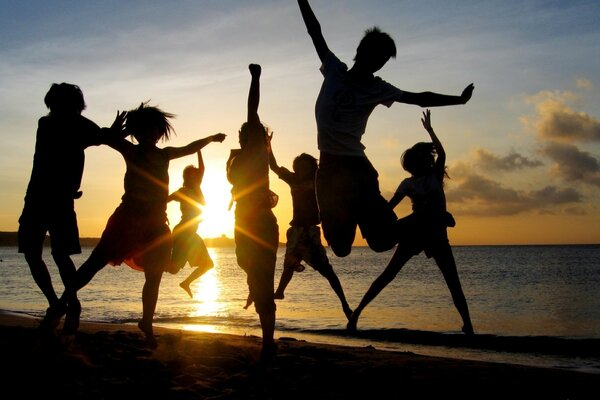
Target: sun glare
x=217 y=219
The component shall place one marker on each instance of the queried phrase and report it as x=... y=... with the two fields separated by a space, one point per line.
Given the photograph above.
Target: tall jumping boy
x=347 y=183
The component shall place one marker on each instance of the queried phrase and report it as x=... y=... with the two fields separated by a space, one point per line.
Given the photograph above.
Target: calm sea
x=534 y=305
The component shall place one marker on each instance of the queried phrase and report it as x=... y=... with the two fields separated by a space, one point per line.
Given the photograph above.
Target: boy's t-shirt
x=304 y=200
x=425 y=192
x=59 y=156
x=344 y=105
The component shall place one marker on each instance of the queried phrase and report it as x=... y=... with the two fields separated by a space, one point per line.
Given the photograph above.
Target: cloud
x=476 y=195
x=557 y=121
x=584 y=84
x=512 y=162
x=572 y=164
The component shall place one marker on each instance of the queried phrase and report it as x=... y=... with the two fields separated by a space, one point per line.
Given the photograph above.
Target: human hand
x=426 y=120
x=219 y=137
x=467 y=93
x=255 y=70
x=119 y=123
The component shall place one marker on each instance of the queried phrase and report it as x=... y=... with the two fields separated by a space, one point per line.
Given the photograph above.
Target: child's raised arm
x=254 y=94
x=314 y=29
x=193 y=147
x=440 y=162
x=200 y=165
x=431 y=99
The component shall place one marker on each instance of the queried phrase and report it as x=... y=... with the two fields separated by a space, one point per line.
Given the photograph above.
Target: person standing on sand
x=347 y=183
x=58 y=162
x=256 y=231
x=426 y=228
x=188 y=246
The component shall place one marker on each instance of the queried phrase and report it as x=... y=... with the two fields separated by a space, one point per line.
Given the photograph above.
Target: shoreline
x=110 y=361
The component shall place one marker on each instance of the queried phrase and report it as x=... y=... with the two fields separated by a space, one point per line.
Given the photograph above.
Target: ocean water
x=533 y=305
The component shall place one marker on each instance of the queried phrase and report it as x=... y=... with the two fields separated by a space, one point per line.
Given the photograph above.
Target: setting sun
x=216 y=219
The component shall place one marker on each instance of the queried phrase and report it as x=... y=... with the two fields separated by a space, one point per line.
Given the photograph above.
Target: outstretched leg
x=329 y=274
x=445 y=261
x=195 y=274
x=400 y=257
x=284 y=280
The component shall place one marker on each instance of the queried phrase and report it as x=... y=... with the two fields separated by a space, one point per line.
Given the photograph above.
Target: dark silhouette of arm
x=440 y=162
x=201 y=167
x=254 y=94
x=193 y=147
x=395 y=200
x=431 y=99
x=314 y=29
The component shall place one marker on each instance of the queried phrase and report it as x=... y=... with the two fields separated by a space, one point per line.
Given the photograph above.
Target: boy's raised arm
x=314 y=29
x=254 y=94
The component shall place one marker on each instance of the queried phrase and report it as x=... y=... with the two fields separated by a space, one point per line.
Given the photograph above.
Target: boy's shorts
x=304 y=244
x=348 y=195
x=59 y=220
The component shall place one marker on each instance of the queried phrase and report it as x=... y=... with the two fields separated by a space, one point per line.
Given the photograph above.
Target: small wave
x=572 y=347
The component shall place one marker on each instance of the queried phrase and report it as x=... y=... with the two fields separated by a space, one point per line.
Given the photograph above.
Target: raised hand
x=255 y=70
x=467 y=93
x=426 y=120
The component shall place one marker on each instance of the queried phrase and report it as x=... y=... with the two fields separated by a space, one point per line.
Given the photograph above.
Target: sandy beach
x=109 y=361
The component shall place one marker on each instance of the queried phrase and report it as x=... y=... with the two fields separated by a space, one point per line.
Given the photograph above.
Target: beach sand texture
x=110 y=361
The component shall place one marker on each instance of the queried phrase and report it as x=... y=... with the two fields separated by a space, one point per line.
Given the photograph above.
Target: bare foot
x=149 y=333
x=278 y=295
x=71 y=325
x=248 y=303
x=468 y=329
x=186 y=287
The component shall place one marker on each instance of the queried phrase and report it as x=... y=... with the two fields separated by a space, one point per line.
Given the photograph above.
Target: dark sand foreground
x=105 y=361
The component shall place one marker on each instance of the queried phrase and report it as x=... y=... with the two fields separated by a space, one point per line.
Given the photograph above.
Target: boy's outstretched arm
x=314 y=29
x=431 y=99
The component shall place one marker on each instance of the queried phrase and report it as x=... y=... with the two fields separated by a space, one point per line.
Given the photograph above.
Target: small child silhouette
x=188 y=246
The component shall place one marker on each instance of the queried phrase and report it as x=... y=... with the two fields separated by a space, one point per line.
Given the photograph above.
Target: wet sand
x=110 y=361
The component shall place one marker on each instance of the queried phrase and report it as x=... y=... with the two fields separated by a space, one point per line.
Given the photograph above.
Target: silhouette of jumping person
x=188 y=246
x=426 y=228
x=347 y=183
x=304 y=234
x=256 y=231
x=137 y=232
x=49 y=206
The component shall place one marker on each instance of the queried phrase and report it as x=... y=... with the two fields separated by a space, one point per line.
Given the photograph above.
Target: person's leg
x=195 y=274
x=198 y=257
x=336 y=198
x=398 y=260
x=292 y=259
x=315 y=255
x=445 y=261
x=41 y=276
x=153 y=276
x=329 y=274
x=68 y=272
x=376 y=219
x=284 y=280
